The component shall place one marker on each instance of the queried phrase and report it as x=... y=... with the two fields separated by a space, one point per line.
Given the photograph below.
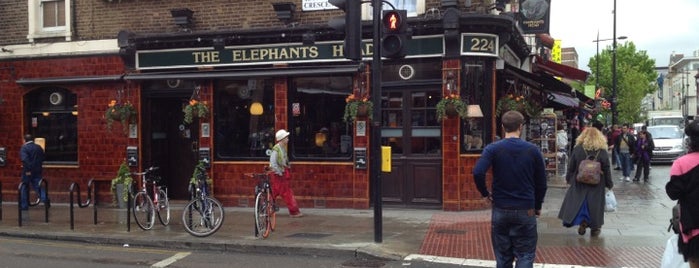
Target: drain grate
x=309 y=235
x=450 y=231
x=364 y=263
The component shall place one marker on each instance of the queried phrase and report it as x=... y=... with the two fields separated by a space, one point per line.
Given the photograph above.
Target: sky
x=658 y=27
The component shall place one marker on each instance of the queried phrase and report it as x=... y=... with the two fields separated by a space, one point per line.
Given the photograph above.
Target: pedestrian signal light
x=394 y=26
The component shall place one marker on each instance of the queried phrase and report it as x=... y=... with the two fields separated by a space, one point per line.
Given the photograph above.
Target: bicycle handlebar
x=148 y=170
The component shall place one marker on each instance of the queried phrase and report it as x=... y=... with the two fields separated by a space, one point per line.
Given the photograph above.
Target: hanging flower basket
x=518 y=103
x=122 y=112
x=356 y=107
x=450 y=106
x=196 y=109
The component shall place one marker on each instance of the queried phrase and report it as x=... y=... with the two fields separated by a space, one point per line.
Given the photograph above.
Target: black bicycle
x=203 y=216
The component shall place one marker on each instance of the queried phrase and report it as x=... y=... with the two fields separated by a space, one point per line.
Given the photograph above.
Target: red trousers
x=280 y=186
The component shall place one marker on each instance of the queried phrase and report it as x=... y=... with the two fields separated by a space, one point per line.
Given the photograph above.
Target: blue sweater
x=519 y=174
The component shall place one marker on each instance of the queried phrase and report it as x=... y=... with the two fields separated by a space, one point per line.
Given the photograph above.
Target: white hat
x=281 y=134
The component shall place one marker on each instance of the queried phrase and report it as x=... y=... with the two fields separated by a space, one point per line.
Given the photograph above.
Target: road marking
x=164 y=263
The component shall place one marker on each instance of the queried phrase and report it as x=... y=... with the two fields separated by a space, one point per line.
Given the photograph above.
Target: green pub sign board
x=428 y=46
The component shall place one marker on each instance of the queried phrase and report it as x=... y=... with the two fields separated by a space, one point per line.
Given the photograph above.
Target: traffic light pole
x=375 y=139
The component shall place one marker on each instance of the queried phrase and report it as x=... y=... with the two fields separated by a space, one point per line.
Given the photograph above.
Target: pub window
x=244 y=118
x=52 y=118
x=316 y=107
x=475 y=89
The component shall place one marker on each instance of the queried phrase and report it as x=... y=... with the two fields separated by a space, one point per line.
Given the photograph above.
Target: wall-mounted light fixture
x=256 y=108
x=183 y=18
x=309 y=39
x=285 y=11
x=219 y=43
x=450 y=81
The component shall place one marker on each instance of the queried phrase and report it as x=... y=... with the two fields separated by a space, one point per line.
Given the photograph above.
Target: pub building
x=284 y=69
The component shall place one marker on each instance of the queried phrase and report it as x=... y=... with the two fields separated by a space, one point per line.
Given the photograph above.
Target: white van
x=669 y=143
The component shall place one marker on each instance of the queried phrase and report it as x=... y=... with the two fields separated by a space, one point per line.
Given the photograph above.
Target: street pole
x=615 y=113
x=375 y=141
x=597 y=60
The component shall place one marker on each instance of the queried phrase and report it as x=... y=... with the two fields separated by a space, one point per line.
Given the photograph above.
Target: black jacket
x=629 y=139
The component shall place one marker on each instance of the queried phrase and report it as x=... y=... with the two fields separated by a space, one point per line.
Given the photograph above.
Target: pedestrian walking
x=684 y=187
x=583 y=204
x=281 y=176
x=625 y=145
x=611 y=139
x=517 y=193
x=642 y=155
x=32 y=156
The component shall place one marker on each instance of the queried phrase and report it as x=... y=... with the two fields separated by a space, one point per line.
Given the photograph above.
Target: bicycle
x=145 y=207
x=203 y=215
x=265 y=206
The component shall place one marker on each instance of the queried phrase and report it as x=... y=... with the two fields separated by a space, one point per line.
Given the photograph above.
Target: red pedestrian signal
x=394 y=41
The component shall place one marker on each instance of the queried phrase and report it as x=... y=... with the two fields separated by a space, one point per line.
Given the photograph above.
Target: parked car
x=669 y=143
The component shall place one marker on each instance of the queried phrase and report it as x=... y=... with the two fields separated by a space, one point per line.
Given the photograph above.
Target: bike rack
x=25 y=186
x=91 y=189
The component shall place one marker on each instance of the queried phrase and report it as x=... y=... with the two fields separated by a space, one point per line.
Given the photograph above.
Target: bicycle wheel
x=203 y=222
x=272 y=211
x=261 y=216
x=143 y=211
x=163 y=207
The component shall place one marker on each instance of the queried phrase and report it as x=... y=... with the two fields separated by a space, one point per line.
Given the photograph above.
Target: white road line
x=171 y=260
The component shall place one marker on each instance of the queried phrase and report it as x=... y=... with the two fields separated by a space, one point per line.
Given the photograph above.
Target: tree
x=635 y=78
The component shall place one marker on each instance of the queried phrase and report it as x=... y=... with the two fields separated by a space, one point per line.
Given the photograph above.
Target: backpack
x=589 y=170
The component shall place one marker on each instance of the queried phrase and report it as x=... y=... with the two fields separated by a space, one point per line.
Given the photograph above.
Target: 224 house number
x=482 y=45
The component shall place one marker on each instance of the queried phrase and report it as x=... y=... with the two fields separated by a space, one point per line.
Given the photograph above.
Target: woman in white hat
x=279 y=163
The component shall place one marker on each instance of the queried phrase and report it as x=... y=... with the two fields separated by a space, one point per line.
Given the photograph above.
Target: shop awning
x=541 y=81
x=556 y=69
x=565 y=100
x=246 y=73
x=68 y=80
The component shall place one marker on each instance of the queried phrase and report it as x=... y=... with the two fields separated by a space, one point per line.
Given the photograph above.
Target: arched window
x=52 y=114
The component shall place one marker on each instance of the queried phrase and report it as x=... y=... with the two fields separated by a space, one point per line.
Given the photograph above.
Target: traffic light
x=351 y=24
x=395 y=31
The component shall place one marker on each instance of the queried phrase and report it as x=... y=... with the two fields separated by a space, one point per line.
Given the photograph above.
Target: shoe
x=617 y=168
x=299 y=215
x=582 y=227
x=595 y=232
x=622 y=178
x=627 y=178
x=636 y=179
x=645 y=179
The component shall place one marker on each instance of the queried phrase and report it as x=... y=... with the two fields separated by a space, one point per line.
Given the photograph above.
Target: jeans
x=514 y=236
x=615 y=159
x=34 y=182
x=625 y=164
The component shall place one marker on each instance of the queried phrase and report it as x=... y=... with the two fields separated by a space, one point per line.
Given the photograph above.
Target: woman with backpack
x=584 y=203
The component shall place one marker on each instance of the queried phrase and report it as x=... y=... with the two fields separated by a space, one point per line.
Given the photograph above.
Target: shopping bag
x=672 y=258
x=609 y=201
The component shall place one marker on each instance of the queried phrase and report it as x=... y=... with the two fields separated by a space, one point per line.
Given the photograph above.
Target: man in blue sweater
x=518 y=190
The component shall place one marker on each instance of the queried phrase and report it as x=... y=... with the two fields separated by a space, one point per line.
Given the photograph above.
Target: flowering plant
x=122 y=112
x=357 y=107
x=195 y=108
x=517 y=103
x=123 y=177
x=451 y=104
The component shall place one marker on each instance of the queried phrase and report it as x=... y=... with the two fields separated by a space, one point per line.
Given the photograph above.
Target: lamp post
x=597 y=55
x=615 y=113
x=597 y=74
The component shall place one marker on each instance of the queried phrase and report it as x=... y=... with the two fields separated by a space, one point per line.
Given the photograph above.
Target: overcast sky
x=658 y=27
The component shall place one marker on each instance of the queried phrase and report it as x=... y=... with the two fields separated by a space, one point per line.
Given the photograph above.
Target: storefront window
x=316 y=107
x=53 y=117
x=475 y=89
x=244 y=115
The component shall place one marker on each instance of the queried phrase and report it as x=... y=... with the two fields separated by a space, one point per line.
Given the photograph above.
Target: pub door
x=168 y=143
x=410 y=127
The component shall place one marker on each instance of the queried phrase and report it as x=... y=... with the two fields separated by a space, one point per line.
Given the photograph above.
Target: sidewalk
x=634 y=236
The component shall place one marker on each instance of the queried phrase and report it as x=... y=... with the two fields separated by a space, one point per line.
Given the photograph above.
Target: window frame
x=52 y=105
x=368 y=10
x=35 y=23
